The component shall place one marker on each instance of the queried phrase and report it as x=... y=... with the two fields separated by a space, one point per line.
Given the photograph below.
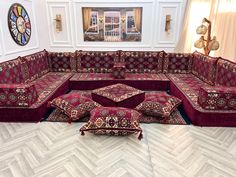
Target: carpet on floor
x=175 y=118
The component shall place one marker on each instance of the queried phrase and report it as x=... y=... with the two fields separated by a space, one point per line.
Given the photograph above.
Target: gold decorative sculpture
x=168 y=20
x=209 y=43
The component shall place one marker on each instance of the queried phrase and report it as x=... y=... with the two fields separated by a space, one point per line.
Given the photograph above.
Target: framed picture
x=112 y=24
x=19 y=24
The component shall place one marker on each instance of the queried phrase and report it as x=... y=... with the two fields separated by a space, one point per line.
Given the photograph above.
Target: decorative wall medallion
x=19 y=24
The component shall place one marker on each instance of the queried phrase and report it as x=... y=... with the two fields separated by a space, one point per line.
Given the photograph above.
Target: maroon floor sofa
x=206 y=85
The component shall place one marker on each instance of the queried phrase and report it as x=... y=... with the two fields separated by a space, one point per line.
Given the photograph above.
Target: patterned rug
x=175 y=118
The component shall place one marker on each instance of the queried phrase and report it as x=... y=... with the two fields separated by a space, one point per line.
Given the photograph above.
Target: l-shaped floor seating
x=206 y=85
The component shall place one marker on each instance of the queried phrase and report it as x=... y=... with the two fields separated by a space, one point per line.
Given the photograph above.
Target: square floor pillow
x=116 y=121
x=74 y=105
x=158 y=104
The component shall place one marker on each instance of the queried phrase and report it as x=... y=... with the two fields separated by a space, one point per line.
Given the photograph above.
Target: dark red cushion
x=119 y=95
x=118 y=71
x=113 y=121
x=74 y=105
x=158 y=104
x=217 y=98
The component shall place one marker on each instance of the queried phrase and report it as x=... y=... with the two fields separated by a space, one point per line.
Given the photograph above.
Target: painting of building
x=112 y=24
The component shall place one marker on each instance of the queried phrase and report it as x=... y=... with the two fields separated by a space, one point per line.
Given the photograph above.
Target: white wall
x=42 y=14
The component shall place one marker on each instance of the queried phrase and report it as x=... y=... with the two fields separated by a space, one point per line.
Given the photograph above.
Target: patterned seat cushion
x=113 y=121
x=74 y=105
x=178 y=63
x=96 y=61
x=62 y=62
x=143 y=61
x=204 y=67
x=118 y=71
x=119 y=95
x=217 y=98
x=158 y=104
x=36 y=65
x=11 y=72
x=226 y=73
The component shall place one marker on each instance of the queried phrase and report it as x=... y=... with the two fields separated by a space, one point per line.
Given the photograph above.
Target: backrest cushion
x=204 y=67
x=178 y=63
x=62 y=62
x=226 y=73
x=143 y=61
x=11 y=72
x=96 y=61
x=37 y=64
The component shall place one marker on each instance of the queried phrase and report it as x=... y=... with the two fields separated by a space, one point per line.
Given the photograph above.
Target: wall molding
x=67 y=14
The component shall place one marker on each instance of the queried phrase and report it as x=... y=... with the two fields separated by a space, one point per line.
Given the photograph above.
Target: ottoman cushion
x=113 y=121
x=119 y=95
x=74 y=105
x=158 y=104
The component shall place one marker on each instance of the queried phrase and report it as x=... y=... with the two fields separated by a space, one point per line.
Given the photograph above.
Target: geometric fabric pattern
x=118 y=95
x=74 y=105
x=204 y=67
x=118 y=71
x=113 y=121
x=158 y=104
x=62 y=61
x=217 y=98
x=226 y=73
x=178 y=63
x=142 y=61
x=96 y=61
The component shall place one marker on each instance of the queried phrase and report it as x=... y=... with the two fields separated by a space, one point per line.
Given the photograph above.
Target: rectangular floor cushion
x=113 y=121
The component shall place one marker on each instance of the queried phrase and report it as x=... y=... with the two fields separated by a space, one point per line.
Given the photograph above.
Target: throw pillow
x=74 y=105
x=158 y=104
x=113 y=121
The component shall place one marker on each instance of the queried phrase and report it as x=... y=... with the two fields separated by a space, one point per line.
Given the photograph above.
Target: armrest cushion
x=217 y=98
x=23 y=95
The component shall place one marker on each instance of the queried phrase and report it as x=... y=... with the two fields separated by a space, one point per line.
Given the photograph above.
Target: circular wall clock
x=19 y=24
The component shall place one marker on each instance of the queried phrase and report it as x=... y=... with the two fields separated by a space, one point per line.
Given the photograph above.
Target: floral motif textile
x=113 y=121
x=158 y=104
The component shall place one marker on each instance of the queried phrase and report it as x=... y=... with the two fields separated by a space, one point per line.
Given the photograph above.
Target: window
x=130 y=26
x=93 y=25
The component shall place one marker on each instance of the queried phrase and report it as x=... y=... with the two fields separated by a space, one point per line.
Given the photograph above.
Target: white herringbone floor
x=57 y=150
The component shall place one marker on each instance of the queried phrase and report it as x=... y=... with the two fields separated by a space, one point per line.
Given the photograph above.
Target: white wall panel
x=62 y=38
x=167 y=39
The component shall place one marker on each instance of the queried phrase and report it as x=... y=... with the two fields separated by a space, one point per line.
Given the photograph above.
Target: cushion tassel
x=140 y=135
x=82 y=132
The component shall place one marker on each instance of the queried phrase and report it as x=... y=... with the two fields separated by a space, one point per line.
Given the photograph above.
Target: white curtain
x=222 y=14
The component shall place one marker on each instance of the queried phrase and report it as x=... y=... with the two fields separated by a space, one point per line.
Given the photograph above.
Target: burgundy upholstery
x=96 y=61
x=226 y=73
x=11 y=72
x=143 y=61
x=217 y=98
x=62 y=62
x=186 y=87
x=143 y=81
x=118 y=70
x=113 y=121
x=178 y=63
x=22 y=95
x=204 y=67
x=118 y=95
x=37 y=65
